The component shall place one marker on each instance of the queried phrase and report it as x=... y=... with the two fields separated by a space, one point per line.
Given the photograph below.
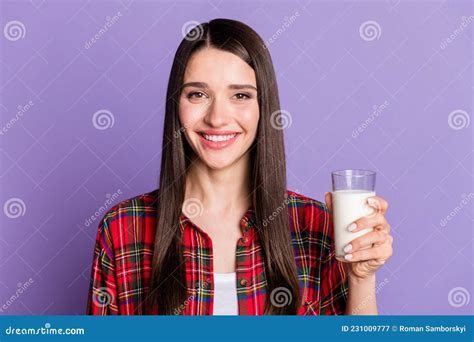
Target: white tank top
x=225 y=294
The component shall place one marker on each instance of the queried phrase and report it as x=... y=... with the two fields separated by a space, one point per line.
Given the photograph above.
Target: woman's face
x=218 y=107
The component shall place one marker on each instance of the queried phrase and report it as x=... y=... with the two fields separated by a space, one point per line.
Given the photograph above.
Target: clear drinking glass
x=350 y=190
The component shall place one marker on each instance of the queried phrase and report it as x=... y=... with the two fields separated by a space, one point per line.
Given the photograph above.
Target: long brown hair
x=268 y=168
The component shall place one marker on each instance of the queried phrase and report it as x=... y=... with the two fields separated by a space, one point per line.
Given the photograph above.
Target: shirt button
x=243 y=282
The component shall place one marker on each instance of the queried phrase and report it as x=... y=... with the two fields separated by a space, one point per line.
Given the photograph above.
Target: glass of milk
x=350 y=190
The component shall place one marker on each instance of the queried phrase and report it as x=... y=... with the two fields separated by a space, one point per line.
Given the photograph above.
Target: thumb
x=328 y=199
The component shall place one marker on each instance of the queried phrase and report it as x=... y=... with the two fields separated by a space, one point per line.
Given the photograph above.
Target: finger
x=379 y=253
x=328 y=199
x=383 y=227
x=376 y=237
x=378 y=203
x=371 y=221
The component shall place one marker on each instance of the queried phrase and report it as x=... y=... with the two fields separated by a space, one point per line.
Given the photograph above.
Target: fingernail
x=348 y=256
x=372 y=202
x=351 y=227
x=348 y=248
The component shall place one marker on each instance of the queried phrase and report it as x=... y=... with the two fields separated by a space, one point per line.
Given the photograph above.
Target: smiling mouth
x=216 y=140
x=218 y=137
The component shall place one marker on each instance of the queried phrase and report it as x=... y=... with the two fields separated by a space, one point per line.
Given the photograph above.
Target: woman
x=222 y=235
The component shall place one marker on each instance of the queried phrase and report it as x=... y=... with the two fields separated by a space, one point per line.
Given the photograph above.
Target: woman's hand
x=368 y=253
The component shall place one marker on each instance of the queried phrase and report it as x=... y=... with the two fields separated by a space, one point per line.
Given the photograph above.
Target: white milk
x=348 y=206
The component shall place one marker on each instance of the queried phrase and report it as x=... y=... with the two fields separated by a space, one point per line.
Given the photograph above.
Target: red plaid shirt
x=124 y=250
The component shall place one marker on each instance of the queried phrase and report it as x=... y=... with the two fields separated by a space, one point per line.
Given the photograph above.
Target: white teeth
x=219 y=137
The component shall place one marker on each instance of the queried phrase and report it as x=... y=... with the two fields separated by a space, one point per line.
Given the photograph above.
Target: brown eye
x=242 y=96
x=196 y=94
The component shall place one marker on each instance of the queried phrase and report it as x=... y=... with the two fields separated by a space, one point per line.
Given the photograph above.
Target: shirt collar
x=247 y=222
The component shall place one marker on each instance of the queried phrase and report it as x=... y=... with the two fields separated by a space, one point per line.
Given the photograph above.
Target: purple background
x=63 y=168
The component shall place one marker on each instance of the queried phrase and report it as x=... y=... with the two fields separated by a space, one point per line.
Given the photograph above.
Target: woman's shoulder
x=305 y=203
x=309 y=215
x=132 y=220
x=139 y=205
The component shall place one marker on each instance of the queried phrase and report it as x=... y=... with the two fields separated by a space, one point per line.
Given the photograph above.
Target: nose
x=217 y=114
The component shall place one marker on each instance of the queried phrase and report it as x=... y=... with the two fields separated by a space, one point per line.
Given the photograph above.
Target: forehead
x=217 y=67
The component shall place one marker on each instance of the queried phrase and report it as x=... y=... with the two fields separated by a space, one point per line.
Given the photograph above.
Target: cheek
x=249 y=119
x=189 y=114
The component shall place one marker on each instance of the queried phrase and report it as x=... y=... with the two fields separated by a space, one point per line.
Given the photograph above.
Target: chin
x=218 y=164
x=218 y=159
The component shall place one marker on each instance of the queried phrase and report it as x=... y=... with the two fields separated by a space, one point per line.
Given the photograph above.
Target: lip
x=217 y=145
x=214 y=132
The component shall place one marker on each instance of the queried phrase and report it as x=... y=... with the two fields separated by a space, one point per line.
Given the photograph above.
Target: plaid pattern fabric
x=123 y=255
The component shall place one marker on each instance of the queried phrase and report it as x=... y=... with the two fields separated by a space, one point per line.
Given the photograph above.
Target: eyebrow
x=231 y=86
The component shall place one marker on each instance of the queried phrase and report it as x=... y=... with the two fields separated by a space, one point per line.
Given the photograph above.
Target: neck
x=221 y=190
